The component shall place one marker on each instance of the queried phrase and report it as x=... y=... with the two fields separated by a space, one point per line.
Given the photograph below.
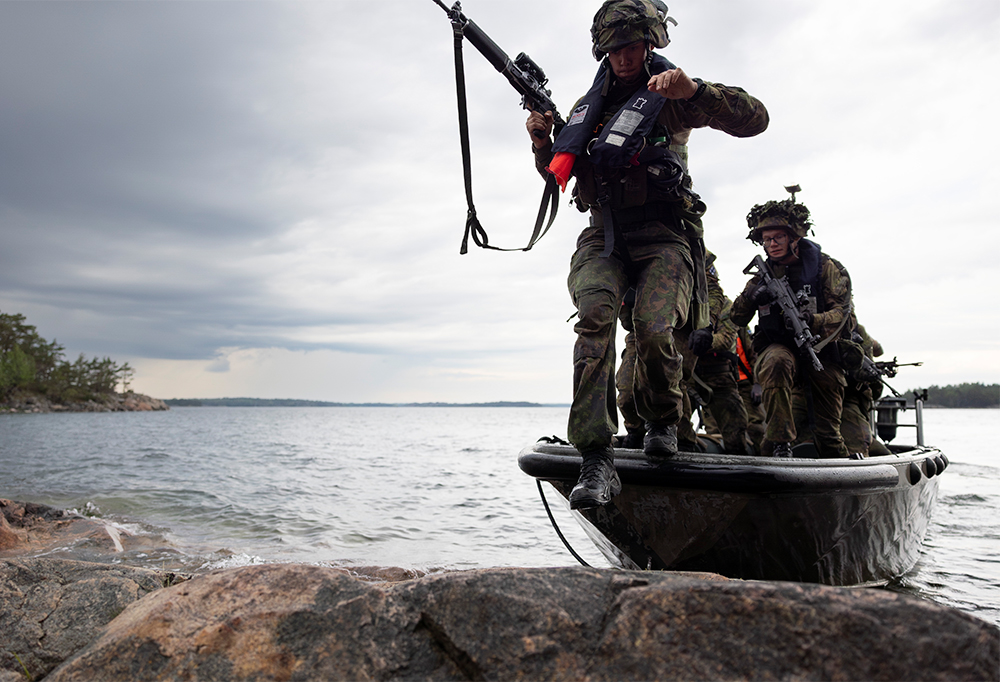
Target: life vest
x=621 y=139
x=625 y=179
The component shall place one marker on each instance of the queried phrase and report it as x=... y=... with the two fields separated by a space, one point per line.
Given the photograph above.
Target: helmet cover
x=622 y=22
x=787 y=214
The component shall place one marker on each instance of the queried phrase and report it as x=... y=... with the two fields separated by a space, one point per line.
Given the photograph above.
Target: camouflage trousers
x=723 y=407
x=625 y=383
x=659 y=267
x=756 y=420
x=855 y=424
x=776 y=369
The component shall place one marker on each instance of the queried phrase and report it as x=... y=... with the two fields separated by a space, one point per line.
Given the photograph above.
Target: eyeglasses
x=780 y=239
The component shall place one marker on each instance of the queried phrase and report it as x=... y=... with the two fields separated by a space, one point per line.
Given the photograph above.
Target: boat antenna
x=792 y=189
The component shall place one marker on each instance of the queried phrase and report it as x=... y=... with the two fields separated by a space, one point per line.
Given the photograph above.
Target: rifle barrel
x=494 y=53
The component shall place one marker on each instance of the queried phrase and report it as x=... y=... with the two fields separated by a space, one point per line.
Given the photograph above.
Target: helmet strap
x=793 y=245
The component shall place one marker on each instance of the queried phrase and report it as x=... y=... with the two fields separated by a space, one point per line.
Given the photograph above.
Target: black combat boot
x=782 y=450
x=634 y=439
x=660 y=440
x=598 y=482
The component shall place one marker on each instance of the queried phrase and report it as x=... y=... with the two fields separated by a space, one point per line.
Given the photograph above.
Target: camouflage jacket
x=719 y=306
x=724 y=338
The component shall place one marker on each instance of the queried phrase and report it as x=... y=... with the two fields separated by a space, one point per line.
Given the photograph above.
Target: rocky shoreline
x=70 y=620
x=117 y=402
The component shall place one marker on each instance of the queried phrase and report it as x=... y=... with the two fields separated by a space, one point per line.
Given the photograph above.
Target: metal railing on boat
x=884 y=417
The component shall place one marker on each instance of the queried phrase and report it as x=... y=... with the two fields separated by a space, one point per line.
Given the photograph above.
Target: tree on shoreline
x=964 y=395
x=29 y=363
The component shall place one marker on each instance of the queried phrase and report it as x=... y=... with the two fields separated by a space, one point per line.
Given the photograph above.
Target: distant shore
x=267 y=402
x=114 y=402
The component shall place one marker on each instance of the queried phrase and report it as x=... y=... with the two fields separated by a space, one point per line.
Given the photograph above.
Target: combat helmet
x=786 y=213
x=621 y=22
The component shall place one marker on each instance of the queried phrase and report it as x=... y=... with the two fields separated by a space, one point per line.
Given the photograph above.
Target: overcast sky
x=265 y=198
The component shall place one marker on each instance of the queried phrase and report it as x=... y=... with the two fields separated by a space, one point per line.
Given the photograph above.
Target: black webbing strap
x=555 y=525
x=472 y=225
x=607 y=216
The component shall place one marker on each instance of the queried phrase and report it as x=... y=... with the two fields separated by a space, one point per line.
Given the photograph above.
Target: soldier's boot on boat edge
x=598 y=482
x=782 y=450
x=660 y=440
x=632 y=439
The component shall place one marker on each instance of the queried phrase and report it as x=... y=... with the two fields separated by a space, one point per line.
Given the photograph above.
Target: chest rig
x=625 y=168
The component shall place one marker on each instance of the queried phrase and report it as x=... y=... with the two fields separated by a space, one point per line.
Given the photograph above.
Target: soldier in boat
x=645 y=230
x=709 y=375
x=824 y=305
x=749 y=388
x=863 y=390
x=864 y=386
x=711 y=371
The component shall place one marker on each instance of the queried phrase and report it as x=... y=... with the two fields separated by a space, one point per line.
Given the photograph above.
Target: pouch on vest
x=664 y=171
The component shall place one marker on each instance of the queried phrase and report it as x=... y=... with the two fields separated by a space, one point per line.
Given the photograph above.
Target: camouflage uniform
x=652 y=253
x=718 y=370
x=756 y=424
x=779 y=365
x=625 y=380
x=859 y=398
x=713 y=376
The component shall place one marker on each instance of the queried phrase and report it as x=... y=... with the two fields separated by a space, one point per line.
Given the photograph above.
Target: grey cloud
x=176 y=178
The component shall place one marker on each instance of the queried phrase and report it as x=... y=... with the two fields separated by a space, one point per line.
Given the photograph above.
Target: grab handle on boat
x=919 y=404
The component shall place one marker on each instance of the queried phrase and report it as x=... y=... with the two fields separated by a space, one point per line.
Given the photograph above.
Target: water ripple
x=431 y=489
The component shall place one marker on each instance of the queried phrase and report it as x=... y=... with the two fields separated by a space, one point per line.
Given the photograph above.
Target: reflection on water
x=426 y=488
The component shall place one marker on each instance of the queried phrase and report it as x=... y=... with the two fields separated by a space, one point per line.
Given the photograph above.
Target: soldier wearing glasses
x=780 y=227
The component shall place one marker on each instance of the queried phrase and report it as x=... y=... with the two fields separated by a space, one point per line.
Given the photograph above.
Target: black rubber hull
x=836 y=522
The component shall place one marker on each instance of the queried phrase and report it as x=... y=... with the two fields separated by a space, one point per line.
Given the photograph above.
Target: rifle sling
x=472 y=225
x=822 y=344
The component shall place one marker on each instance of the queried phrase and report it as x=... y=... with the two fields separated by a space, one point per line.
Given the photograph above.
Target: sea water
x=428 y=488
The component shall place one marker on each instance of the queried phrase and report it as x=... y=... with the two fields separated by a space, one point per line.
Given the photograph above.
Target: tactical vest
x=806 y=281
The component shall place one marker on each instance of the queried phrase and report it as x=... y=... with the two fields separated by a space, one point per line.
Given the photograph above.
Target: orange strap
x=744 y=365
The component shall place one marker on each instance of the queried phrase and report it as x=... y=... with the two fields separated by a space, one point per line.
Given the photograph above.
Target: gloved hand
x=868 y=372
x=807 y=320
x=803 y=316
x=700 y=341
x=761 y=296
x=756 y=394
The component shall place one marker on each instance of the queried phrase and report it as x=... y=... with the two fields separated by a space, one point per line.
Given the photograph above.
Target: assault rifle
x=888 y=368
x=522 y=73
x=873 y=372
x=529 y=80
x=789 y=304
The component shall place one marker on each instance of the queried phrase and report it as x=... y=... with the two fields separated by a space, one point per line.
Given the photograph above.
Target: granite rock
x=52 y=608
x=299 y=622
